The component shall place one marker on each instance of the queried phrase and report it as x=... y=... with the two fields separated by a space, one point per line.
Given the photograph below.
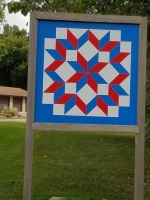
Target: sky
x=16 y=19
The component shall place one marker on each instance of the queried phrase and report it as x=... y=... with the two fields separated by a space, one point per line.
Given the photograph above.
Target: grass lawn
x=76 y=165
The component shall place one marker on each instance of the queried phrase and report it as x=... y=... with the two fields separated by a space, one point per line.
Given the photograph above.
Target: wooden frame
x=138 y=130
x=140 y=137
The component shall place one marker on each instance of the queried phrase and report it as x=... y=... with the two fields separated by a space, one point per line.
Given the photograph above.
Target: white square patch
x=61 y=33
x=58 y=109
x=115 y=35
x=71 y=55
x=104 y=57
x=50 y=43
x=113 y=111
x=103 y=89
x=48 y=98
x=124 y=101
x=70 y=88
x=125 y=47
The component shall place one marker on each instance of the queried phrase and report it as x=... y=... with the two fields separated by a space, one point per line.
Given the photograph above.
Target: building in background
x=13 y=97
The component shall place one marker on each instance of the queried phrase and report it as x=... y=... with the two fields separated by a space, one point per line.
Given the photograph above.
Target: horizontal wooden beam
x=85 y=127
x=89 y=17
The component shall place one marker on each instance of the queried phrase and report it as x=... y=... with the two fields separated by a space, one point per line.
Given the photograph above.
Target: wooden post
x=30 y=111
x=140 y=137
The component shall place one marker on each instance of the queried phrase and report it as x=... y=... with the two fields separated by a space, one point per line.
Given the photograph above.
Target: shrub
x=13 y=112
x=7 y=115
x=10 y=112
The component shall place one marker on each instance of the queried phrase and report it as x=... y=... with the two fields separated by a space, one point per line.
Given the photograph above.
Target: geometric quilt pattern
x=86 y=72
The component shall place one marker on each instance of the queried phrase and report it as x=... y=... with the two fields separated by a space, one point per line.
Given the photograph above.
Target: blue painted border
x=43 y=113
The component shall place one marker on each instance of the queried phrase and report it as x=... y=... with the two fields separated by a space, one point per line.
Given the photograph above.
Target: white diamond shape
x=88 y=51
x=108 y=73
x=86 y=94
x=65 y=71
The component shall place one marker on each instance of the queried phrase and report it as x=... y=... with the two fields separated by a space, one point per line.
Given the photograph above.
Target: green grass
x=12 y=142
x=77 y=165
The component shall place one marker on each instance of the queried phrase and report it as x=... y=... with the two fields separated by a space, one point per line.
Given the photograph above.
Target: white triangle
x=126 y=85
x=97 y=112
x=99 y=33
x=126 y=63
x=75 y=111
x=47 y=81
x=77 y=32
x=48 y=59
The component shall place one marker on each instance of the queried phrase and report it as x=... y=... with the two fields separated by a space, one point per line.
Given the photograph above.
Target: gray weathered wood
x=139 y=141
x=80 y=127
x=30 y=110
x=89 y=17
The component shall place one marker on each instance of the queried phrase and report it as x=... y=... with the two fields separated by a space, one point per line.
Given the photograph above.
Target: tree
x=13 y=57
x=132 y=7
x=2 y=16
x=74 y=6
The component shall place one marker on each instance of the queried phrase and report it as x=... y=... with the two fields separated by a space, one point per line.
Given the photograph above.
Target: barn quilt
x=87 y=73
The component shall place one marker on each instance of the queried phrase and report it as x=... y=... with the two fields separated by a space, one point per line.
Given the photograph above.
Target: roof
x=11 y=91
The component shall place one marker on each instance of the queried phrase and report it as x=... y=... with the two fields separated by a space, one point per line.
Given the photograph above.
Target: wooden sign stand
x=138 y=130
